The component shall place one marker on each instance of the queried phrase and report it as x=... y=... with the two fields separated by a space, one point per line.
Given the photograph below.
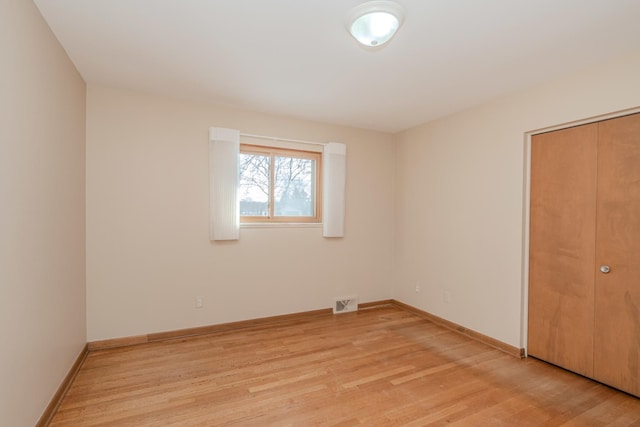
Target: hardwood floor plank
x=286 y=381
x=383 y=366
x=378 y=376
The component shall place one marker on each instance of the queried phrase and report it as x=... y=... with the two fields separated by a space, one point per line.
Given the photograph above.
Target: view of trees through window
x=277 y=184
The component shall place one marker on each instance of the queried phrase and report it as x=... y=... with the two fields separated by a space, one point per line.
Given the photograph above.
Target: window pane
x=254 y=185
x=294 y=187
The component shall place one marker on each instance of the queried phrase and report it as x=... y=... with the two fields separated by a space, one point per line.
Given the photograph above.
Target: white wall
x=42 y=273
x=460 y=191
x=148 y=248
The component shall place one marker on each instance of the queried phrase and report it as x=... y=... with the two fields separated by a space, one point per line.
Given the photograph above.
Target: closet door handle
x=605 y=269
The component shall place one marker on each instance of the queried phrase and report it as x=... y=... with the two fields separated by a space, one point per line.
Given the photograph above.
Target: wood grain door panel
x=562 y=247
x=617 y=294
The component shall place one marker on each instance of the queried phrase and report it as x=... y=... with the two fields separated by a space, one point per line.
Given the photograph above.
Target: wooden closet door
x=617 y=293
x=562 y=247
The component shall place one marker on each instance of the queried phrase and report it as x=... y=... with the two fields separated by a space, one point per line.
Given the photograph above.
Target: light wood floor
x=376 y=367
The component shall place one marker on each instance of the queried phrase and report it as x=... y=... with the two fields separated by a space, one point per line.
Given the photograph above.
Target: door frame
x=524 y=309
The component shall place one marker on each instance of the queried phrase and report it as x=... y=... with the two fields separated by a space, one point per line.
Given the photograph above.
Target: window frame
x=273 y=152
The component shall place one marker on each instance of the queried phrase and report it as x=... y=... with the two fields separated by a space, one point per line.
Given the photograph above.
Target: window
x=279 y=185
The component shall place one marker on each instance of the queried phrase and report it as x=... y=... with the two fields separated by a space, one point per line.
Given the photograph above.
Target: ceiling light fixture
x=374 y=23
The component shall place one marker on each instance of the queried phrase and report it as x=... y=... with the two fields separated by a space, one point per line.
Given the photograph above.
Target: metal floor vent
x=345 y=304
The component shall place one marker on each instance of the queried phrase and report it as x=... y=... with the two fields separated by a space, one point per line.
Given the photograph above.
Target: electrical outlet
x=417 y=289
x=199 y=302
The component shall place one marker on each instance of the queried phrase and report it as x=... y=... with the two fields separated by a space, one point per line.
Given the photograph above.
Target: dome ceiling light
x=374 y=23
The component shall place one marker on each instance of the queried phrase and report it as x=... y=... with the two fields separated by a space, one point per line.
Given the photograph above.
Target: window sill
x=281 y=225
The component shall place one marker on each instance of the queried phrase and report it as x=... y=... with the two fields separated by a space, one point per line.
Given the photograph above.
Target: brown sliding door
x=617 y=293
x=562 y=247
x=584 y=255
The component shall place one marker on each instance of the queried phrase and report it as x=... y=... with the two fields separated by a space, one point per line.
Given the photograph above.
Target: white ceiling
x=295 y=57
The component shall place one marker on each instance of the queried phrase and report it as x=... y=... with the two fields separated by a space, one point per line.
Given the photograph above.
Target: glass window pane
x=294 y=186
x=254 y=185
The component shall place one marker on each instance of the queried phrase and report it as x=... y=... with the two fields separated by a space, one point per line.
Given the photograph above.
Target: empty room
x=320 y=213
